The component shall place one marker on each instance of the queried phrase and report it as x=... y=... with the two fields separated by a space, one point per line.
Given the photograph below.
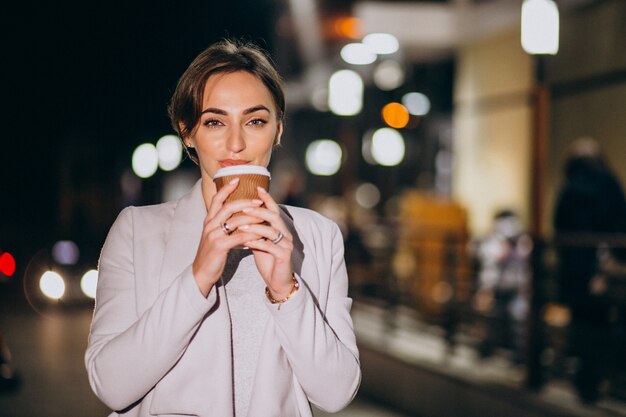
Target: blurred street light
x=89 y=283
x=395 y=115
x=323 y=157
x=367 y=195
x=145 y=160
x=382 y=43
x=416 y=103
x=170 y=152
x=389 y=75
x=52 y=285
x=345 y=93
x=540 y=27
x=65 y=252
x=7 y=264
x=387 y=147
x=357 y=54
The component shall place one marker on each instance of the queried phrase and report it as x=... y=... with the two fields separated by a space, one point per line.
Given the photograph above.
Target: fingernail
x=234 y=180
x=245 y=227
x=261 y=189
x=246 y=209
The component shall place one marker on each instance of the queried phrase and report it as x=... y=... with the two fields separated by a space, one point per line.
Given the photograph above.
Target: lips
x=232 y=162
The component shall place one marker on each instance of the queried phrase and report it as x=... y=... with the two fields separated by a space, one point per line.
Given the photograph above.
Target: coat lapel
x=183 y=236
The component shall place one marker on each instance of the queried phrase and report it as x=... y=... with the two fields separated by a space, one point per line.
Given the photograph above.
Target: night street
x=48 y=354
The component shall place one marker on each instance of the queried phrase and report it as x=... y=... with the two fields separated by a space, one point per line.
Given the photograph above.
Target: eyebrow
x=246 y=111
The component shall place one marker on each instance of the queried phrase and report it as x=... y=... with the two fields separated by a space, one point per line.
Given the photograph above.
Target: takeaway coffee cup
x=250 y=177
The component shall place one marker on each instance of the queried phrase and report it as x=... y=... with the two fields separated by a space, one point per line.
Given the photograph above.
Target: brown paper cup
x=250 y=177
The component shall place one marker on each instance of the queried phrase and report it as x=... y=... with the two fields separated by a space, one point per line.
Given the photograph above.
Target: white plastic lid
x=241 y=169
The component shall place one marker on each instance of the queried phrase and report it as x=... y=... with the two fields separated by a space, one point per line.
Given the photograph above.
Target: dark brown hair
x=226 y=56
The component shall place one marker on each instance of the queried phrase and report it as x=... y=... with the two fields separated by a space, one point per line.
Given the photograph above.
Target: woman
x=185 y=323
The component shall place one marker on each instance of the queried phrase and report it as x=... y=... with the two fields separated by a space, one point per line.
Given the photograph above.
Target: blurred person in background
x=503 y=281
x=590 y=205
x=9 y=380
x=186 y=323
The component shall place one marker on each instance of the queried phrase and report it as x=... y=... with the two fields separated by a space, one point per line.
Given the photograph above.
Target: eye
x=257 y=122
x=211 y=123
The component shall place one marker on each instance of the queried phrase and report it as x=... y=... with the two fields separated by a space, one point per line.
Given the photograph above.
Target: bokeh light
x=52 y=285
x=345 y=93
x=395 y=115
x=319 y=99
x=416 y=103
x=366 y=147
x=382 y=43
x=357 y=54
x=145 y=160
x=387 y=147
x=540 y=27
x=65 y=252
x=349 y=27
x=323 y=157
x=389 y=75
x=7 y=264
x=170 y=152
x=89 y=283
x=367 y=195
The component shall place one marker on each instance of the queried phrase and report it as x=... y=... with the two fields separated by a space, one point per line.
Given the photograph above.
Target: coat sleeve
x=128 y=354
x=320 y=343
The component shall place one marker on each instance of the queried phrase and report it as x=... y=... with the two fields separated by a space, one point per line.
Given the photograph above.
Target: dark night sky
x=97 y=76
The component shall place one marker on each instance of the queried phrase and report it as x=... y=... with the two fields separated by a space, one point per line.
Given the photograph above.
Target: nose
x=236 y=141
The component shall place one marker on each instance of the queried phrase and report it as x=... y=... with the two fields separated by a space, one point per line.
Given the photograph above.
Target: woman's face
x=239 y=123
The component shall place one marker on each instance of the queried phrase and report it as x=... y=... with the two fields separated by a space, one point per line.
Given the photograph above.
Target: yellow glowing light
x=395 y=115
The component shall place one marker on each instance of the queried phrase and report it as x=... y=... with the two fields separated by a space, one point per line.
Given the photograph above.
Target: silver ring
x=279 y=237
x=226 y=229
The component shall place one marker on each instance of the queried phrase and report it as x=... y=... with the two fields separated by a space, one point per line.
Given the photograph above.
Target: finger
x=227 y=210
x=268 y=200
x=270 y=217
x=219 y=197
x=228 y=241
x=235 y=222
x=277 y=251
x=267 y=232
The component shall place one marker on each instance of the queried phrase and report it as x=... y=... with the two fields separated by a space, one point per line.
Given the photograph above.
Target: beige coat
x=158 y=347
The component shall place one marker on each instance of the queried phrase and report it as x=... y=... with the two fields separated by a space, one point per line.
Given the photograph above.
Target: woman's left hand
x=272 y=254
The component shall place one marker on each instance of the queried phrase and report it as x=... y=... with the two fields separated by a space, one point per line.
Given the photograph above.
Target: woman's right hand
x=215 y=243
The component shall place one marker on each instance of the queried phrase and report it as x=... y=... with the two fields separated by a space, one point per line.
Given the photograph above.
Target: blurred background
x=473 y=153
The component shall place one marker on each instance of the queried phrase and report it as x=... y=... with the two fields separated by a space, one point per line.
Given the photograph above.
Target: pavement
x=47 y=351
x=48 y=348
x=395 y=345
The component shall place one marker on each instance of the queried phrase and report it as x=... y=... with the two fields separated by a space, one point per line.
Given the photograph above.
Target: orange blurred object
x=343 y=27
x=395 y=115
x=350 y=27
